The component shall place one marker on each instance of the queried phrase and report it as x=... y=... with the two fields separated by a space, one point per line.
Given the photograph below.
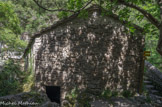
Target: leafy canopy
x=10 y=28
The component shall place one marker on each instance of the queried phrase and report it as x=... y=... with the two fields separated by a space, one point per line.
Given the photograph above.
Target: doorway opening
x=53 y=93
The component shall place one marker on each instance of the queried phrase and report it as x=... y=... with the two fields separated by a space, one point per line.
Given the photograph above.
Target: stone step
x=149 y=86
x=159 y=97
x=145 y=78
x=155 y=96
x=147 y=82
x=154 y=91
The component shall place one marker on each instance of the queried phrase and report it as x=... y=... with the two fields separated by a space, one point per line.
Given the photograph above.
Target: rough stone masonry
x=91 y=53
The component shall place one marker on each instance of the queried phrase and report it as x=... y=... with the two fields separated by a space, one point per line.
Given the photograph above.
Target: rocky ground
x=33 y=99
x=136 y=101
x=27 y=99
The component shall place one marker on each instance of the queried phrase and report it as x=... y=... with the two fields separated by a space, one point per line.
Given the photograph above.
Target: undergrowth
x=13 y=80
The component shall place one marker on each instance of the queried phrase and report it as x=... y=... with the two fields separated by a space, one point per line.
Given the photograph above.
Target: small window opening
x=53 y=93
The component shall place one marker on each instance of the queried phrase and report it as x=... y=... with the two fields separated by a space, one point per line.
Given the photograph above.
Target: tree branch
x=54 y=9
x=86 y=5
x=63 y=9
x=145 y=13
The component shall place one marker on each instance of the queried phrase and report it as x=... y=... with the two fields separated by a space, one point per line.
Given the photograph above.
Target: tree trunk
x=0 y=48
x=159 y=46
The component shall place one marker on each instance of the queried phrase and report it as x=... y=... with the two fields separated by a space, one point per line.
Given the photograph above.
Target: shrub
x=76 y=98
x=127 y=94
x=10 y=78
x=28 y=82
x=106 y=94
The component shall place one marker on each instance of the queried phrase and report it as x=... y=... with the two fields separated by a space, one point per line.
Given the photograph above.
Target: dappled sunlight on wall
x=92 y=54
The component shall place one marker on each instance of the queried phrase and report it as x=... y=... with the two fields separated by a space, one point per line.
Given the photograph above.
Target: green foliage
x=83 y=14
x=115 y=94
x=83 y=99
x=31 y=17
x=28 y=82
x=8 y=17
x=146 y=93
x=71 y=98
x=75 y=4
x=126 y=94
x=30 y=62
x=63 y=14
x=151 y=33
x=148 y=99
x=74 y=93
x=12 y=41
x=108 y=94
x=10 y=28
x=77 y=98
x=13 y=80
x=10 y=78
x=155 y=58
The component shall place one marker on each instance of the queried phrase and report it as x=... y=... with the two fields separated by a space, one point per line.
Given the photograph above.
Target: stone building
x=92 y=53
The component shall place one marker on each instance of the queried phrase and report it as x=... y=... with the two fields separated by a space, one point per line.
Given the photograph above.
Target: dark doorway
x=53 y=93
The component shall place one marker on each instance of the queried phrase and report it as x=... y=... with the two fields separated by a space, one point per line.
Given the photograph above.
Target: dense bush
x=77 y=98
x=11 y=78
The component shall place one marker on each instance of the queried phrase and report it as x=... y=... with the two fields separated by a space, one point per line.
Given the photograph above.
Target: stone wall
x=93 y=54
